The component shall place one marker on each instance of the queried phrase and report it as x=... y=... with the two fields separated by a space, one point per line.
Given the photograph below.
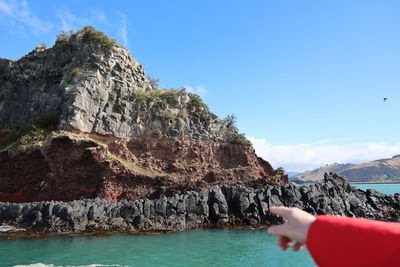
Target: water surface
x=383 y=188
x=188 y=248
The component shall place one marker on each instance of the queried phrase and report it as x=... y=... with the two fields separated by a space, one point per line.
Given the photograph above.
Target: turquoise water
x=188 y=248
x=383 y=188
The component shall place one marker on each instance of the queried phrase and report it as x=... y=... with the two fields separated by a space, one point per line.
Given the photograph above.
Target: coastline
x=221 y=206
x=374 y=183
x=28 y=234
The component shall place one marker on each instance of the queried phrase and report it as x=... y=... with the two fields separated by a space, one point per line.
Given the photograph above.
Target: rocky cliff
x=80 y=120
x=90 y=83
x=219 y=205
x=69 y=166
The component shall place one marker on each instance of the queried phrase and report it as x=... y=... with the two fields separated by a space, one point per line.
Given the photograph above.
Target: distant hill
x=292 y=174
x=382 y=170
x=318 y=174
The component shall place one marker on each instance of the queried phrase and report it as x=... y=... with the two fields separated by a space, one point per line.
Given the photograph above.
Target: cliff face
x=74 y=166
x=98 y=129
x=92 y=84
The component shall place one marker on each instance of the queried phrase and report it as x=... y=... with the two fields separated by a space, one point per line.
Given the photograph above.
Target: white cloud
x=324 y=141
x=199 y=90
x=69 y=20
x=18 y=15
x=99 y=15
x=300 y=157
x=123 y=29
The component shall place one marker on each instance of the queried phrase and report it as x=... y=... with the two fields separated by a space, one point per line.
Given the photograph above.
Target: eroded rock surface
x=101 y=90
x=219 y=205
x=72 y=166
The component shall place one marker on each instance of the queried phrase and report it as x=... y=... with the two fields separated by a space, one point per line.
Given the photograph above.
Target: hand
x=295 y=228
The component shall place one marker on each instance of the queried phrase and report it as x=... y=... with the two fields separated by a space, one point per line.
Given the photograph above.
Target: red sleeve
x=343 y=241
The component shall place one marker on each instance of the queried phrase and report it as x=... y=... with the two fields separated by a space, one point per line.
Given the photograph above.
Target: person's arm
x=343 y=241
x=339 y=241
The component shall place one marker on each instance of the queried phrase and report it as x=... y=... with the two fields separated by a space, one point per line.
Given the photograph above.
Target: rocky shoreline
x=220 y=206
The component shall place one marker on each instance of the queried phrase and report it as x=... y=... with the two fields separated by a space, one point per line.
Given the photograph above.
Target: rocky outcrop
x=80 y=120
x=92 y=84
x=70 y=166
x=218 y=206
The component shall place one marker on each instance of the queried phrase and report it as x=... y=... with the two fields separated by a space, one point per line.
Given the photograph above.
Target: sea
x=188 y=248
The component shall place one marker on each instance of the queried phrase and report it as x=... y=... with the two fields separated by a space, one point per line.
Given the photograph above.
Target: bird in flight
x=385 y=98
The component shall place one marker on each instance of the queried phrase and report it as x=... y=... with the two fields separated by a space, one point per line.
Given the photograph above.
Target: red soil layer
x=67 y=169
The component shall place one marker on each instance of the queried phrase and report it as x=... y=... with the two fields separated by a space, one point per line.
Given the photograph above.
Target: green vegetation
x=33 y=135
x=64 y=36
x=163 y=99
x=166 y=115
x=90 y=34
x=196 y=101
x=146 y=96
x=75 y=72
x=160 y=97
x=238 y=139
x=29 y=135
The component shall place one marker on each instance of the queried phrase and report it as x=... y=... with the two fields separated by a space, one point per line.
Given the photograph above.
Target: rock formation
x=219 y=205
x=80 y=120
x=70 y=166
x=92 y=84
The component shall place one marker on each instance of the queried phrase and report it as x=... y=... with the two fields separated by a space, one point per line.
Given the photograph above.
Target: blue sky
x=306 y=79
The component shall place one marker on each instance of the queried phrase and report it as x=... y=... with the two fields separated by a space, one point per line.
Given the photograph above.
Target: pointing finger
x=281 y=211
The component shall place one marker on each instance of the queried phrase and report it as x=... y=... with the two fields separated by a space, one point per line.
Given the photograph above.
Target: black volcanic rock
x=221 y=205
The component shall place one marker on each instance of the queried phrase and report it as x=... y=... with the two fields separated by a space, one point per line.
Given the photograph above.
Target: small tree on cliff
x=230 y=120
x=154 y=82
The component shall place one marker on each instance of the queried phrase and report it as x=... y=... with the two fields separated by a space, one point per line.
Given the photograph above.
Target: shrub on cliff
x=92 y=35
x=63 y=38
x=159 y=97
x=89 y=34
x=75 y=72
x=196 y=101
x=230 y=120
x=29 y=135
x=238 y=139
